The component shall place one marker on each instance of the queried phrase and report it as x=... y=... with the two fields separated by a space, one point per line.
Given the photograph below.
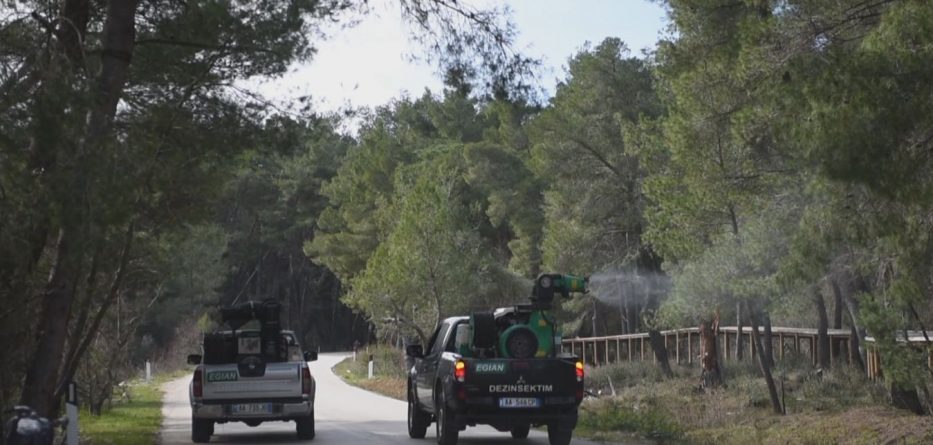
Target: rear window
x=223 y=347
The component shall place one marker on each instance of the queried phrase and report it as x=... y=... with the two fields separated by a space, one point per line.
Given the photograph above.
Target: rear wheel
x=447 y=431
x=201 y=430
x=305 y=427
x=521 y=431
x=418 y=420
x=558 y=436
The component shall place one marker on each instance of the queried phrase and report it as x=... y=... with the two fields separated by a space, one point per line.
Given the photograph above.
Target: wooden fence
x=683 y=346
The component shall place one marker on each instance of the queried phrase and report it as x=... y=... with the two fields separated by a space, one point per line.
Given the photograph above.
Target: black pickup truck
x=453 y=387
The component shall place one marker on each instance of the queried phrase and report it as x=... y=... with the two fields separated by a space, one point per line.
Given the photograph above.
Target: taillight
x=460 y=370
x=306 y=381
x=579 y=371
x=198 y=383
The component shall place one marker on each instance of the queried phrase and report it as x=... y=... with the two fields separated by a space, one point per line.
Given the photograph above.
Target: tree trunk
x=652 y=304
x=837 y=315
x=739 y=348
x=117 y=47
x=822 y=348
x=858 y=337
x=711 y=373
x=763 y=363
x=904 y=397
x=633 y=318
x=855 y=346
x=84 y=307
x=660 y=351
x=52 y=329
x=593 y=319
x=768 y=340
x=71 y=365
x=73 y=29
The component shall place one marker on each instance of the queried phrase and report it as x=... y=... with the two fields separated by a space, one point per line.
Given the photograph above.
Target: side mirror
x=310 y=356
x=415 y=351
x=194 y=359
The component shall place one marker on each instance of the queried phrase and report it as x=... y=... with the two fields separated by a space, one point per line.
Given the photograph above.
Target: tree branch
x=595 y=153
x=206 y=46
x=115 y=285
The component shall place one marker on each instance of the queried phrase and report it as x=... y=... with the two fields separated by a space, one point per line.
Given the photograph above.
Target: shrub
x=387 y=361
x=638 y=416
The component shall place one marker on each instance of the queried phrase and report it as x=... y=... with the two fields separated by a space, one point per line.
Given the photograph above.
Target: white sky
x=368 y=64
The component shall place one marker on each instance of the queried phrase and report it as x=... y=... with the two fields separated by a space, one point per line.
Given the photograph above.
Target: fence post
x=677 y=345
x=370 y=366
x=71 y=410
x=148 y=372
x=689 y=349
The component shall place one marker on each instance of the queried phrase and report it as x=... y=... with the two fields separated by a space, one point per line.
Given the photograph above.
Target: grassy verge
x=388 y=376
x=837 y=407
x=132 y=422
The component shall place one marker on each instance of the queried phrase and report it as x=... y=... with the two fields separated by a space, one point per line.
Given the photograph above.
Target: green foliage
x=425 y=214
x=350 y=228
x=134 y=420
x=639 y=417
x=513 y=195
x=433 y=263
x=430 y=259
x=593 y=203
x=126 y=133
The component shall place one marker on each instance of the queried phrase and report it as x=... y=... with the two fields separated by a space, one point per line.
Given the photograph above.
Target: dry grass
x=387 y=386
x=838 y=407
x=389 y=375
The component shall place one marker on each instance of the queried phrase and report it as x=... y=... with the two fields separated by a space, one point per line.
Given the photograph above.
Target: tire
x=519 y=342
x=305 y=427
x=447 y=431
x=418 y=420
x=521 y=431
x=558 y=436
x=201 y=430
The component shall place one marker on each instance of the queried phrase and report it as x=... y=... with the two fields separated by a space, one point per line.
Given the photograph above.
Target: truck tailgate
x=280 y=381
x=552 y=381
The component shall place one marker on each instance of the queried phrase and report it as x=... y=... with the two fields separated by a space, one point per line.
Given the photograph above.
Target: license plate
x=251 y=408
x=519 y=402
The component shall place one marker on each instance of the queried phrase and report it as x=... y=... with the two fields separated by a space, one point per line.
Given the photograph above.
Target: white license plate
x=251 y=408
x=519 y=402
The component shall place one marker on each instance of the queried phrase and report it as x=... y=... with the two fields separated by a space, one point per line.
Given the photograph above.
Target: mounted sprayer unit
x=250 y=352
x=522 y=331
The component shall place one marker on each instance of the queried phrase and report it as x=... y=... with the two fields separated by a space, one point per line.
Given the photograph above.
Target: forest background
x=771 y=160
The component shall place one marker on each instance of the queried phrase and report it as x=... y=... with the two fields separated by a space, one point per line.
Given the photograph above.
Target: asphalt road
x=345 y=415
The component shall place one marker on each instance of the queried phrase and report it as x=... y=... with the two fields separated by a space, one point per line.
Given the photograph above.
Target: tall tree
x=593 y=198
x=90 y=77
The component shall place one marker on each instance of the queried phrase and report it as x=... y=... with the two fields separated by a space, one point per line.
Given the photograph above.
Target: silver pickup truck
x=238 y=380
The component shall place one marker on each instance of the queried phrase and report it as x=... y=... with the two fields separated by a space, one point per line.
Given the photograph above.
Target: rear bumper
x=222 y=410
x=564 y=415
x=566 y=419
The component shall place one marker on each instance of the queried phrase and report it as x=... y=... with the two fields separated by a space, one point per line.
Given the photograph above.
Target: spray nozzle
x=547 y=284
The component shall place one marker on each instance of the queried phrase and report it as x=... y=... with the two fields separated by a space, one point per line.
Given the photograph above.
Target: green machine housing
x=522 y=331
